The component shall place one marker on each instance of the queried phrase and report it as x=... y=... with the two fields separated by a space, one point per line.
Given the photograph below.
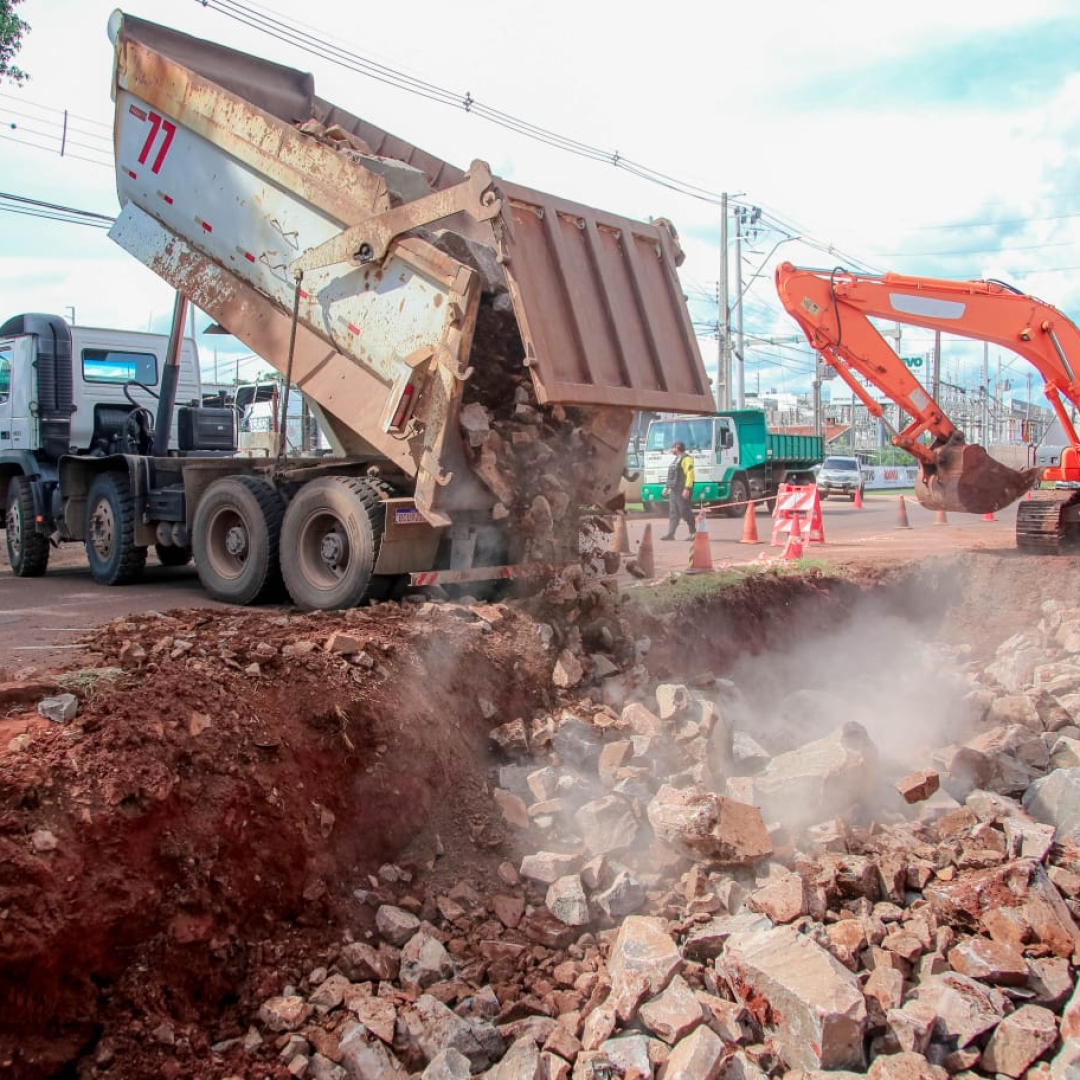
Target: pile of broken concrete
x=690 y=902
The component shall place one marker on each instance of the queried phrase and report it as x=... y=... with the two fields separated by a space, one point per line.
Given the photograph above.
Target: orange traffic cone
x=858 y=498
x=794 y=547
x=940 y=518
x=901 y=515
x=749 y=529
x=989 y=516
x=645 y=554
x=620 y=541
x=700 y=556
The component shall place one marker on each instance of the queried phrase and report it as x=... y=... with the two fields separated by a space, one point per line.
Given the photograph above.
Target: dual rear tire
x=235 y=535
x=332 y=532
x=322 y=547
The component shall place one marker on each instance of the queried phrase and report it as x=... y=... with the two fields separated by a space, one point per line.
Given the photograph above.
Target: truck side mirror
x=727 y=440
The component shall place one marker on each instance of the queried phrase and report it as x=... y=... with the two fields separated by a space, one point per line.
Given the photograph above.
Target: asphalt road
x=41 y=619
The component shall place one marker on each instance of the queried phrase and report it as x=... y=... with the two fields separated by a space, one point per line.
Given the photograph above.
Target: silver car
x=840 y=476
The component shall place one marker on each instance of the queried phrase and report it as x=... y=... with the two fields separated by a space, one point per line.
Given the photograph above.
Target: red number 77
x=157 y=123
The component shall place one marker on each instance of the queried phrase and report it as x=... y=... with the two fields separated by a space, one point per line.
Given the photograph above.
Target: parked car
x=840 y=476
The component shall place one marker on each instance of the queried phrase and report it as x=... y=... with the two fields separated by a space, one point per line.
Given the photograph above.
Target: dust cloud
x=879 y=688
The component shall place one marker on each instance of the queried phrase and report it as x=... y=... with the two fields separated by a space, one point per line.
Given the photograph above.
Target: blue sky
x=941 y=143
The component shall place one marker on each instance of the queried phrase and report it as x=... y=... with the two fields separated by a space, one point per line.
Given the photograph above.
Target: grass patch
x=88 y=681
x=680 y=590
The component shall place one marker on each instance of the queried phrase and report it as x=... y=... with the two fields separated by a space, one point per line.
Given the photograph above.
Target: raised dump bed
x=405 y=287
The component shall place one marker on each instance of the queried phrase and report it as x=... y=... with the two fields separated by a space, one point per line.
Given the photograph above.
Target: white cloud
x=710 y=94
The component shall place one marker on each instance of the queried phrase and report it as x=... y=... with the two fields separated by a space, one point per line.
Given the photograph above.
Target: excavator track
x=1043 y=523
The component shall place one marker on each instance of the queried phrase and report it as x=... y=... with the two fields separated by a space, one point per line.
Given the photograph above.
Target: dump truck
x=736 y=459
x=473 y=349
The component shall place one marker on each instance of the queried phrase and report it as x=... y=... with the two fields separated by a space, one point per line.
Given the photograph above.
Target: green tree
x=12 y=29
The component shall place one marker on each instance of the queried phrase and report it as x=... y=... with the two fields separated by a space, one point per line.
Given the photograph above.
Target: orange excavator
x=834 y=309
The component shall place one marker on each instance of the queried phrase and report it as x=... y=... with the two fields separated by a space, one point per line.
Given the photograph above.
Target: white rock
x=59 y=709
x=816 y=1010
x=566 y=900
x=644 y=947
x=1055 y=800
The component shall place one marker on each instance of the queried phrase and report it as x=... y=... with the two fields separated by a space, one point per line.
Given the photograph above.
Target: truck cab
x=80 y=390
x=72 y=400
x=712 y=441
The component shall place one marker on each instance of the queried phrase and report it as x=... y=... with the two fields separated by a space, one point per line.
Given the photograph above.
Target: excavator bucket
x=967 y=480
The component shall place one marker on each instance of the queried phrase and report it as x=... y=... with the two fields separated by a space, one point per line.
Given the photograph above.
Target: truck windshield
x=114 y=366
x=841 y=464
x=696 y=433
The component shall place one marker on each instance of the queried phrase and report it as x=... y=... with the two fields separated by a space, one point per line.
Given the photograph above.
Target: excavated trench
x=195 y=837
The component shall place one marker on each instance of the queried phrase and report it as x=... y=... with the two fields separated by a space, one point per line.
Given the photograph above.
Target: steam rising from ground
x=838 y=716
x=878 y=671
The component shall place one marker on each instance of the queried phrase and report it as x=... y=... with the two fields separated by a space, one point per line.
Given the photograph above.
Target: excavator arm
x=834 y=309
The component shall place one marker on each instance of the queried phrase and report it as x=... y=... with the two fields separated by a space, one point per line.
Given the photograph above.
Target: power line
x=292 y=33
x=51 y=108
x=21 y=204
x=54 y=150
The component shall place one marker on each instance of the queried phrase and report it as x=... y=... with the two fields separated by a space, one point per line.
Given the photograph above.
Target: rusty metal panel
x=600 y=306
x=283 y=92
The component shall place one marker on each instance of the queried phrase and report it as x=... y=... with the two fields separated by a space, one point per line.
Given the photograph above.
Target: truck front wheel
x=330 y=541
x=738 y=497
x=235 y=537
x=28 y=550
x=111 y=551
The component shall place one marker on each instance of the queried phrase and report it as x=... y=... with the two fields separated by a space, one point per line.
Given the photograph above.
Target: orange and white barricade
x=798 y=508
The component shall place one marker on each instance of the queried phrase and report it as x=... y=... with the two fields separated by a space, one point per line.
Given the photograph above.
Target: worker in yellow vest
x=679 y=490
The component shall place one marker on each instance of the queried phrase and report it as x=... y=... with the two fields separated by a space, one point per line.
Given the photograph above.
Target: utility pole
x=740 y=390
x=935 y=382
x=723 y=321
x=986 y=396
x=746 y=218
x=817 y=395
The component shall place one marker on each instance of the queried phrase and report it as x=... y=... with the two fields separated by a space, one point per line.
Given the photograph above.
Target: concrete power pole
x=746 y=219
x=935 y=383
x=723 y=321
x=740 y=391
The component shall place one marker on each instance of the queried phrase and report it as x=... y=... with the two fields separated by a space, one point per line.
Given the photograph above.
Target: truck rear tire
x=235 y=538
x=330 y=540
x=111 y=551
x=28 y=550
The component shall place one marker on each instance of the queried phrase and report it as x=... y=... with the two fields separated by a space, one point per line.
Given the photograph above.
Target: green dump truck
x=736 y=458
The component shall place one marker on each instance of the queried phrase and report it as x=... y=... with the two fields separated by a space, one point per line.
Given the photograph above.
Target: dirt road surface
x=41 y=619
x=870 y=534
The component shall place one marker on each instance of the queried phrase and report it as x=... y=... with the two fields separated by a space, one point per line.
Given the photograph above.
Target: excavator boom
x=834 y=309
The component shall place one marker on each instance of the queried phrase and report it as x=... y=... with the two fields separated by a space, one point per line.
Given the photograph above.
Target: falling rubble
x=687 y=884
